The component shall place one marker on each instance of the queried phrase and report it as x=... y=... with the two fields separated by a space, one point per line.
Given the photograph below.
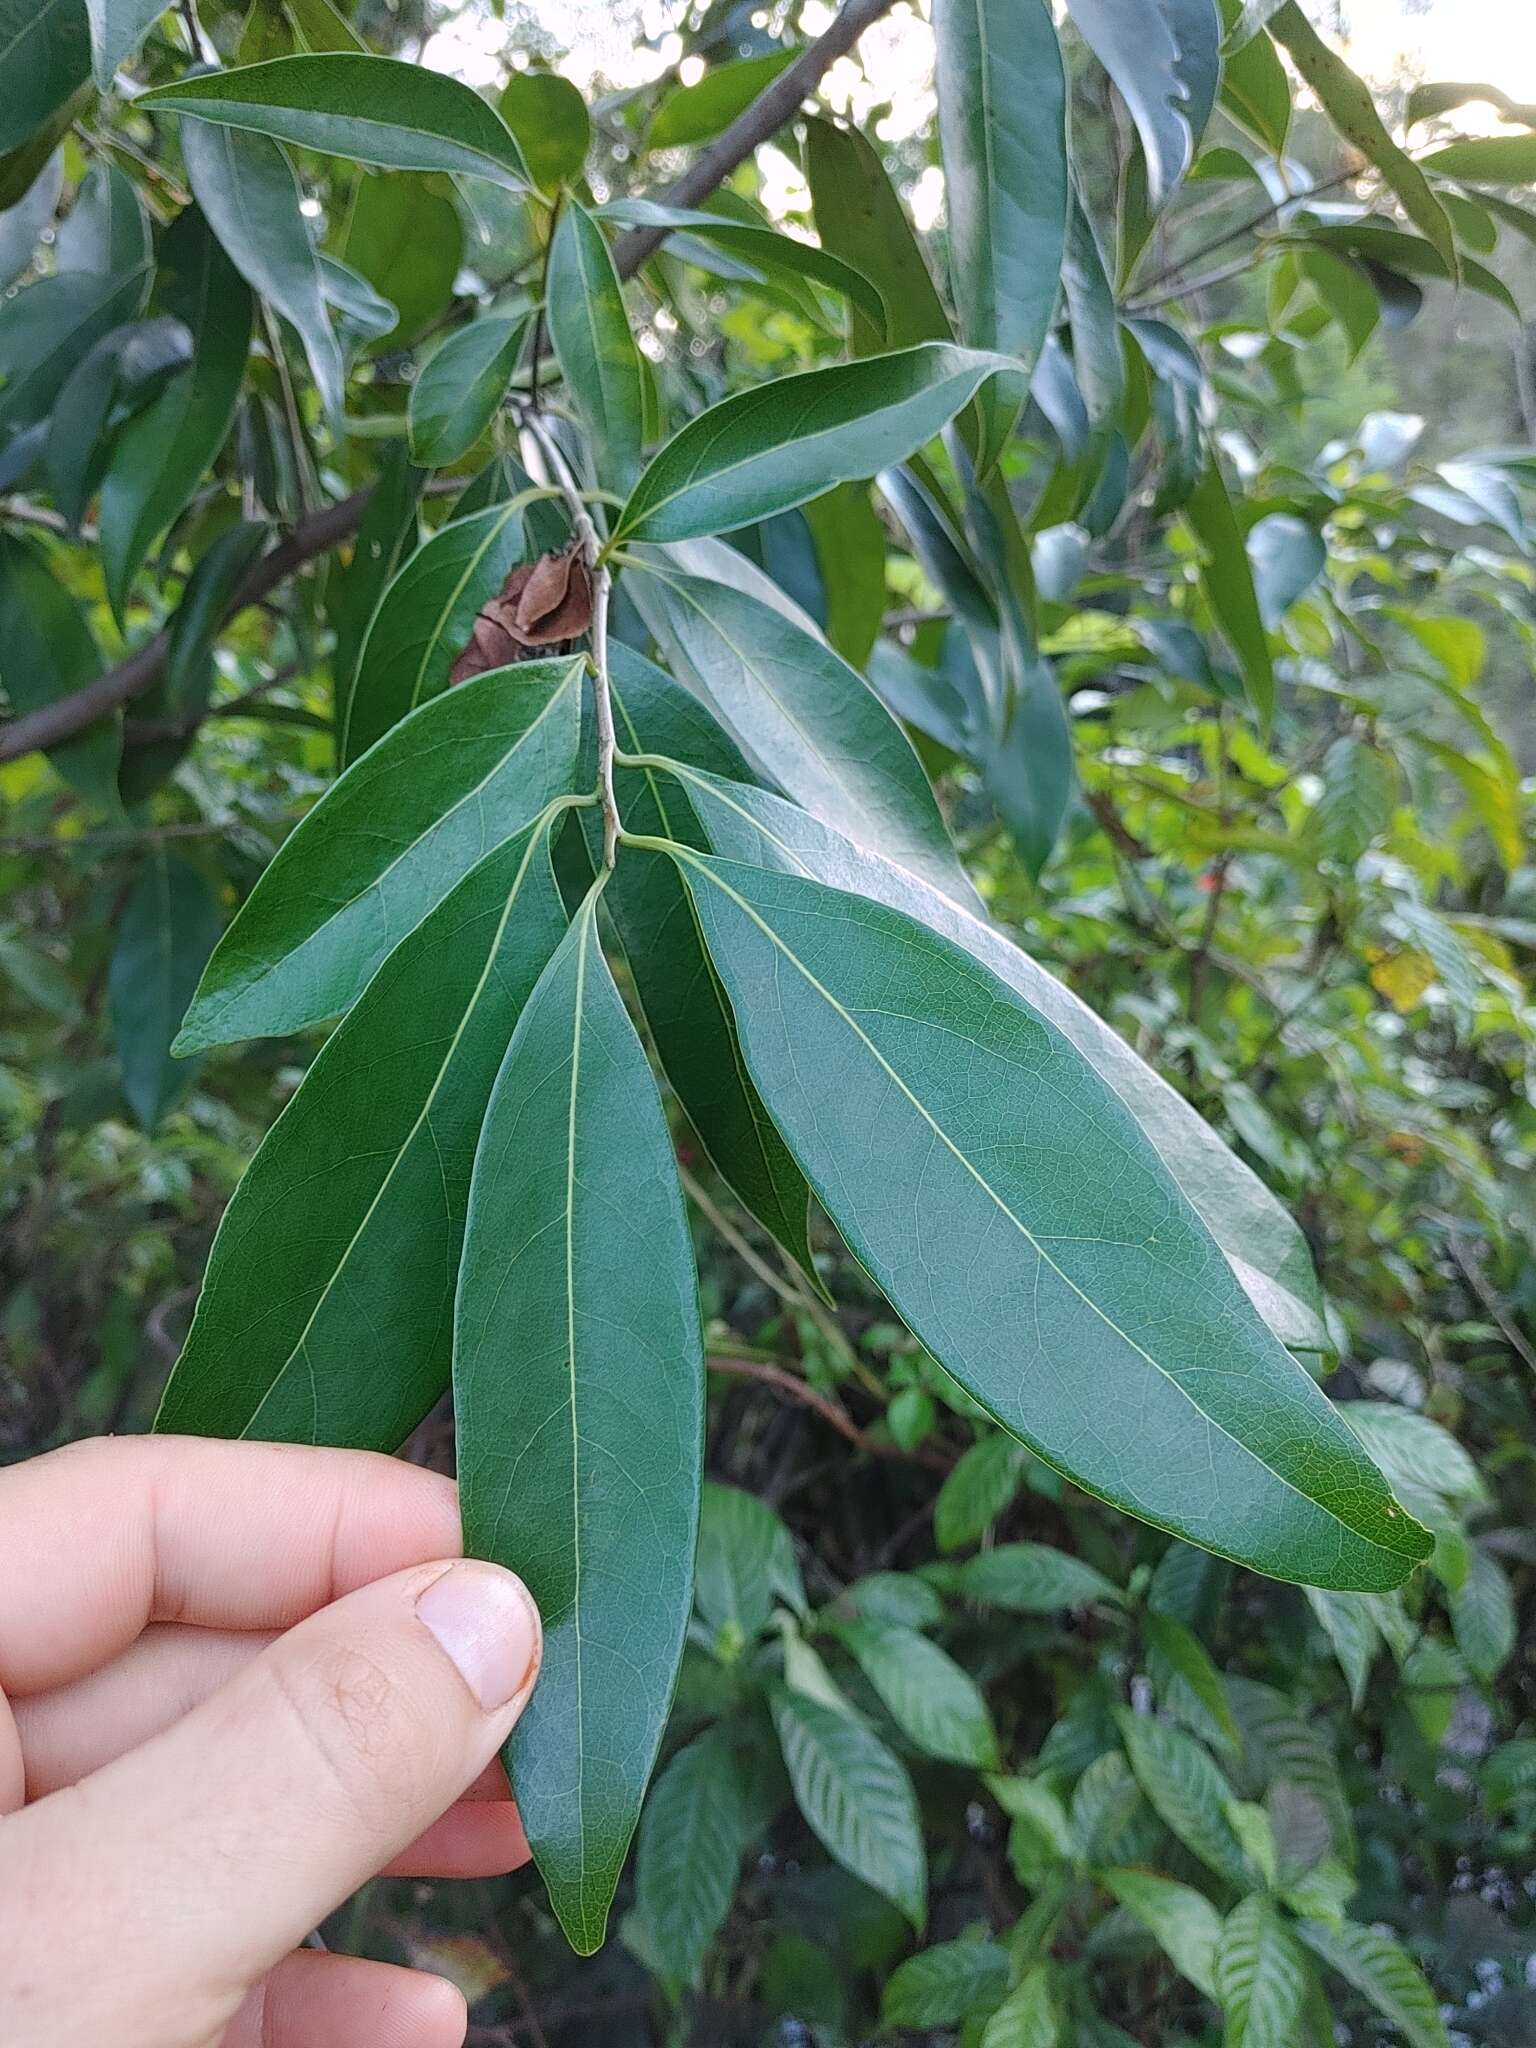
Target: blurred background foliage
x=1320 y=933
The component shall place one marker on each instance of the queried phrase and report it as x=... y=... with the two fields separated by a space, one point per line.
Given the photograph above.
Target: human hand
x=236 y=1681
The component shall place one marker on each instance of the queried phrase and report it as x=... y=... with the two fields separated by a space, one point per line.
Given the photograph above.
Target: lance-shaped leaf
x=692 y=1838
x=45 y=55
x=106 y=229
x=1261 y=1977
x=859 y=219
x=1348 y=103
x=856 y=1797
x=49 y=328
x=684 y=1004
x=1164 y=57
x=1259 y=1238
x=1002 y=122
x=1383 y=1972
x=1187 y=1791
x=388 y=536
x=424 y=620
x=1184 y=1923
x=931 y=1699
x=941 y=1985
x=117 y=29
x=579 y=1394
x=384 y=845
x=1091 y=1312
x=374 y=110
x=1227 y=579
x=805 y=717
x=762 y=451
x=357 y=1197
x=461 y=386
x=163 y=453
x=164 y=936
x=46 y=652
x=22 y=224
x=594 y=344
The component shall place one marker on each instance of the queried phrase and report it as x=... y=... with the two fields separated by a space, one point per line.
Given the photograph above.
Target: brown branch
x=337 y=523
x=795 y=1389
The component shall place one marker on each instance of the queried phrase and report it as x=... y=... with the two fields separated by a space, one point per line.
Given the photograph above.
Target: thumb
x=199 y=1859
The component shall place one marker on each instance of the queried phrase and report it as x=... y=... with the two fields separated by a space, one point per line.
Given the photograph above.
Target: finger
x=106 y=1536
x=317 y=2001
x=215 y=1846
x=474 y=1838
x=74 y=1729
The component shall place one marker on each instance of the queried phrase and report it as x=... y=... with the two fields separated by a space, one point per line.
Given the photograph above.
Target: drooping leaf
x=685 y=1007
x=424 y=620
x=250 y=197
x=1260 y=1239
x=1287 y=556
x=1032 y=1578
x=1261 y=1977
x=1002 y=123
x=548 y=117
x=1163 y=55
x=1227 y=579
x=580 y=1469
x=1393 y=258
x=46 y=652
x=1183 y=1922
x=693 y=113
x=105 y=231
x=122 y=370
x=378 y=1142
x=45 y=56
x=405 y=237
x=595 y=344
x=1187 y=1681
x=941 y=1986
x=1027 y=767
x=860 y=219
x=372 y=110
x=388 y=536
x=850 y=551
x=1348 y=103
x=1483 y=1616
x=806 y=717
x=165 y=932
x=912 y=1150
x=1382 y=1972
x=760 y=452
x=461 y=386
x=856 y=1798
x=51 y=326
x=693 y=1834
x=934 y=1702
x=384 y=846
x=1185 y=1789
x=163 y=454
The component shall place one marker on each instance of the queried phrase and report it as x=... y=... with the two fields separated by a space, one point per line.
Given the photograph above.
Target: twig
x=22 y=512
x=601 y=578
x=92 y=842
x=1477 y=1280
x=796 y=1389
x=142 y=732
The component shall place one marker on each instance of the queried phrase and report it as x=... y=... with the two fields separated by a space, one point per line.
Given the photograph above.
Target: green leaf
x=856 y=1798
x=1027 y=2016
x=1098 y=360
x=460 y=388
x=1180 y=1667
x=122 y=370
x=384 y=846
x=1032 y=1578
x=1261 y=1978
x=898 y=1597
x=1002 y=123
x=1422 y=1460
x=1256 y=92
x=1483 y=1617
x=1382 y=1972
x=45 y=55
x=105 y=230
x=1186 y=1791
x=251 y=199
x=389 y=535
x=1349 y=104
x=849 y=1015
x=1027 y=767
x=182 y=689
x=415 y=119
x=1287 y=556
x=548 y=117
x=22 y=224
x=584 y=305
x=746 y=1562
x=580 y=1470
x=164 y=452
x=850 y=552
x=165 y=932
x=1351 y=1629
x=976 y=1492
x=689 y=1018
x=49 y=328
x=378 y=1142
x=693 y=113
x=931 y=1699
x=117 y=29
x=47 y=652
x=1384 y=248
x=1227 y=579
x=425 y=619
x=811 y=721
x=860 y=219
x=762 y=451
x=1260 y=1240
x=1183 y=1922
x=1164 y=57
x=405 y=237
x=693 y=1834
x=943 y=1985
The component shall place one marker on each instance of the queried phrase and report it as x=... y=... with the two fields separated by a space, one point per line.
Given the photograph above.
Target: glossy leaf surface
x=461 y=386
x=1163 y=57
x=593 y=342
x=579 y=1468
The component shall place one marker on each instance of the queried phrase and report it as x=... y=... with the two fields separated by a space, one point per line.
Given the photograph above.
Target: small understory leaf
x=856 y=1798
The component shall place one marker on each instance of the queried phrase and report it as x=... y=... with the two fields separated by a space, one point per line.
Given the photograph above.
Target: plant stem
x=601 y=578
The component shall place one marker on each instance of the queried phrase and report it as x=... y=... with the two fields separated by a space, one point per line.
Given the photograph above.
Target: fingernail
x=488 y=1627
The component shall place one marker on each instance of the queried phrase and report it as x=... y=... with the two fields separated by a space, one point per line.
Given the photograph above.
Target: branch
x=794 y=1389
x=328 y=529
